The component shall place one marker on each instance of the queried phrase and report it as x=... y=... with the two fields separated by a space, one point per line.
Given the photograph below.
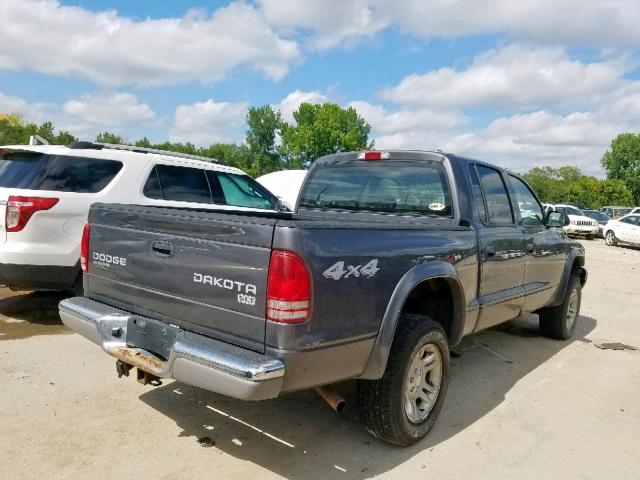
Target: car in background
x=616 y=212
x=599 y=217
x=624 y=230
x=46 y=192
x=285 y=185
x=579 y=224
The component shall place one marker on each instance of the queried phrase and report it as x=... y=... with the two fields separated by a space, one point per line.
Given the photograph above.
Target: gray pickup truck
x=389 y=259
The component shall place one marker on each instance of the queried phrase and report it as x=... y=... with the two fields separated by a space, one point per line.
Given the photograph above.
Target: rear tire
x=402 y=407
x=610 y=238
x=560 y=322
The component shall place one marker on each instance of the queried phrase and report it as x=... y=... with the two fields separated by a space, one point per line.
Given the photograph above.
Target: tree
x=622 y=162
x=13 y=131
x=322 y=130
x=264 y=125
x=568 y=184
x=108 y=137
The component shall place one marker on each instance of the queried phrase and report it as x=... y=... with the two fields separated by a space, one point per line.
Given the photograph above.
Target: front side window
x=495 y=195
x=59 y=173
x=243 y=191
x=379 y=187
x=525 y=201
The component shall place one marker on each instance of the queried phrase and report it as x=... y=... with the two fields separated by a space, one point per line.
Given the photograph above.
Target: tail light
x=20 y=209
x=84 y=248
x=288 y=288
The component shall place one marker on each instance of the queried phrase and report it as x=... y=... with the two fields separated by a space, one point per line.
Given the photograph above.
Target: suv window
x=630 y=220
x=180 y=184
x=60 y=173
x=242 y=191
x=188 y=184
x=381 y=187
x=526 y=203
x=495 y=195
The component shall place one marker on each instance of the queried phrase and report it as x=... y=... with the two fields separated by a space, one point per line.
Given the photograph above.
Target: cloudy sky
x=532 y=82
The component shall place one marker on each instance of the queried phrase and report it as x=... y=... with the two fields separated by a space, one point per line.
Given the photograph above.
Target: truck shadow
x=27 y=314
x=298 y=436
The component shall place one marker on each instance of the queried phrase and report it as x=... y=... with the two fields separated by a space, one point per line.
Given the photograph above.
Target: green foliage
x=322 y=130
x=271 y=144
x=13 y=131
x=622 y=162
x=264 y=125
x=108 y=137
x=568 y=184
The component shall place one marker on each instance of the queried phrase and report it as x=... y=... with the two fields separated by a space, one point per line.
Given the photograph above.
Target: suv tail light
x=288 y=288
x=84 y=248
x=20 y=210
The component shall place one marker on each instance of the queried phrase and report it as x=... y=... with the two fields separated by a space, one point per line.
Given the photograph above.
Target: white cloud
x=291 y=102
x=408 y=129
x=593 y=23
x=86 y=115
x=203 y=123
x=512 y=77
x=332 y=21
x=114 y=109
x=47 y=37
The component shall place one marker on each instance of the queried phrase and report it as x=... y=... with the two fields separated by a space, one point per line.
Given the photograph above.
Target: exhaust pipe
x=333 y=398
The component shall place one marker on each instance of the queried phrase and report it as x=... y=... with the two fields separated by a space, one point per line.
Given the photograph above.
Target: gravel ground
x=519 y=406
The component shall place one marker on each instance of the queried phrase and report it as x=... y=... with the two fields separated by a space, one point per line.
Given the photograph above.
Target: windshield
x=382 y=187
x=570 y=211
x=601 y=217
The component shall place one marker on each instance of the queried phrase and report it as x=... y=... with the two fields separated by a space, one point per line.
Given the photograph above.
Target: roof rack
x=37 y=140
x=133 y=148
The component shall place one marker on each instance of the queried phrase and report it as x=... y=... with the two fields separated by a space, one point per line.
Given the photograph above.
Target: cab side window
x=497 y=203
x=531 y=214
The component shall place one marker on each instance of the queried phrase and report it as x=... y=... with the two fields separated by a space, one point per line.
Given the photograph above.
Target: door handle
x=162 y=249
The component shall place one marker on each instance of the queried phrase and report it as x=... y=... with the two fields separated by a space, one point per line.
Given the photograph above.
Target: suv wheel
x=560 y=322
x=404 y=404
x=610 y=238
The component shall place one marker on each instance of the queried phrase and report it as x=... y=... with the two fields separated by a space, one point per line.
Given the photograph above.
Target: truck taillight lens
x=84 y=248
x=288 y=288
x=20 y=209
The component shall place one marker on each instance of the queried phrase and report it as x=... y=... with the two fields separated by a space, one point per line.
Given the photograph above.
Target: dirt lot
x=519 y=406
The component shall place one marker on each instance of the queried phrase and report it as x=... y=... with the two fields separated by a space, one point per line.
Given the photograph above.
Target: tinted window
x=477 y=193
x=83 y=175
x=59 y=173
x=630 y=220
x=243 y=191
x=495 y=194
x=183 y=184
x=152 y=186
x=399 y=187
x=526 y=203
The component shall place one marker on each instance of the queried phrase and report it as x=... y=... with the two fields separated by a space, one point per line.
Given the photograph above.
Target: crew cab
x=389 y=259
x=46 y=192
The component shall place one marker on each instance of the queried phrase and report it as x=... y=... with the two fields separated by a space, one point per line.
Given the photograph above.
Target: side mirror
x=557 y=220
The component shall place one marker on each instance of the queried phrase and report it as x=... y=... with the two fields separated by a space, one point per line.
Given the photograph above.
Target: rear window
x=380 y=187
x=60 y=173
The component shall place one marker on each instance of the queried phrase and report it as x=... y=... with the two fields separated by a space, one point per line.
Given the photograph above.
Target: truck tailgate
x=203 y=271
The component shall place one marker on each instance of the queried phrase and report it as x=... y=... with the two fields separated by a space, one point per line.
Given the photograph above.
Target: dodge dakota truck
x=388 y=260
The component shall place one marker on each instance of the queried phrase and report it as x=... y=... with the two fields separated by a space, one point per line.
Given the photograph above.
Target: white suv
x=46 y=192
x=579 y=223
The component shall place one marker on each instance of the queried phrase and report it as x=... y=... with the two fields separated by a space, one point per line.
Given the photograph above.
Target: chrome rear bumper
x=194 y=359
